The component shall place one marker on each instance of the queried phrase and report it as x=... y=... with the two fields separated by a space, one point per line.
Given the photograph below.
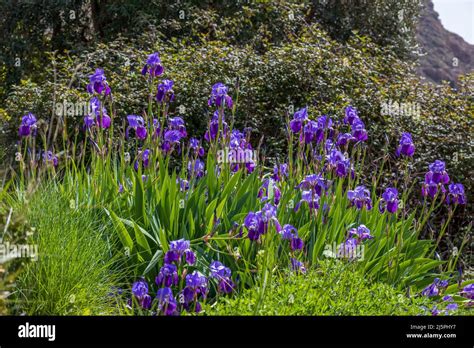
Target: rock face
x=446 y=55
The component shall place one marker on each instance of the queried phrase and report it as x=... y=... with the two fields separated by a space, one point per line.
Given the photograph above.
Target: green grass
x=334 y=288
x=74 y=272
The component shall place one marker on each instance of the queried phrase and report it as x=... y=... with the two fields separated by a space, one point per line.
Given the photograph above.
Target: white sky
x=457 y=16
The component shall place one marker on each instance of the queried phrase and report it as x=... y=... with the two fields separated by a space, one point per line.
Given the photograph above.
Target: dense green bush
x=334 y=288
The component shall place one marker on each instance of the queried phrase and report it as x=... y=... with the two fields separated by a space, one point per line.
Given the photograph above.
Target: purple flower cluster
x=389 y=200
x=180 y=249
x=140 y=292
x=98 y=83
x=258 y=223
x=165 y=92
x=50 y=158
x=338 y=162
x=358 y=131
x=311 y=131
x=223 y=275
x=435 y=179
x=213 y=130
x=360 y=198
x=280 y=172
x=406 y=147
x=356 y=236
x=28 y=125
x=98 y=116
x=434 y=288
x=138 y=124
x=289 y=232
x=219 y=96
x=153 y=65
x=196 y=285
x=313 y=186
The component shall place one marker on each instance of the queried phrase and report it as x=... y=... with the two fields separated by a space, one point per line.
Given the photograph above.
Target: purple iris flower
x=343 y=139
x=140 y=288
x=153 y=65
x=95 y=118
x=168 y=276
x=315 y=183
x=178 y=249
x=171 y=138
x=435 y=179
x=299 y=118
x=468 y=291
x=257 y=223
x=166 y=302
x=406 y=146
x=165 y=91
x=269 y=212
x=338 y=161
x=183 y=184
x=360 y=197
x=311 y=198
x=254 y=224
x=195 y=145
x=198 y=170
x=177 y=123
x=28 y=125
x=310 y=132
x=297 y=266
x=437 y=173
x=359 y=132
x=324 y=124
x=433 y=289
x=223 y=275
x=288 y=232
x=350 y=115
x=456 y=194
x=98 y=83
x=144 y=157
x=49 y=157
x=296 y=243
x=219 y=96
x=211 y=133
x=218 y=270
x=430 y=188
x=389 y=200
x=280 y=171
x=362 y=233
x=138 y=124
x=264 y=191
x=196 y=286
x=140 y=291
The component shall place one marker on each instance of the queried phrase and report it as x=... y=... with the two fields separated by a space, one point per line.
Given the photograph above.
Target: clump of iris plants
x=178 y=288
x=282 y=212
